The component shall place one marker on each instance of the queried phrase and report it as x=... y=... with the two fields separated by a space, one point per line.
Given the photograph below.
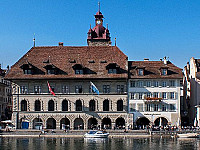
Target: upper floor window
x=106 y=88
x=78 y=89
x=37 y=89
x=27 y=68
x=132 y=83
x=140 y=95
x=132 y=107
x=156 y=83
x=155 y=94
x=164 y=84
x=23 y=105
x=23 y=89
x=164 y=95
x=148 y=83
x=148 y=94
x=172 y=83
x=172 y=107
x=65 y=89
x=50 y=71
x=120 y=88
x=28 y=71
x=140 y=83
x=172 y=95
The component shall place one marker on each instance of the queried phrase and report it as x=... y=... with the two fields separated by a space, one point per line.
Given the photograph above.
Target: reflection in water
x=98 y=143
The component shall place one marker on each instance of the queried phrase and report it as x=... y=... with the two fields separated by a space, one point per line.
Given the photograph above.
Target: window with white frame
x=148 y=83
x=164 y=95
x=172 y=95
x=156 y=83
x=132 y=95
x=164 y=84
x=148 y=94
x=23 y=89
x=65 y=89
x=37 y=89
x=155 y=107
x=140 y=95
x=140 y=83
x=155 y=94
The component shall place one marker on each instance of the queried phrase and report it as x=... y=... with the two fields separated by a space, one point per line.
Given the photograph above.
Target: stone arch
x=142 y=122
x=65 y=105
x=65 y=123
x=92 y=123
x=120 y=123
x=24 y=105
x=120 y=105
x=51 y=123
x=51 y=105
x=78 y=124
x=37 y=105
x=79 y=105
x=106 y=105
x=92 y=105
x=161 y=121
x=106 y=123
x=37 y=123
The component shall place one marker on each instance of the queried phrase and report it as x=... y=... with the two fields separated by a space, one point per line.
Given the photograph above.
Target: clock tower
x=99 y=35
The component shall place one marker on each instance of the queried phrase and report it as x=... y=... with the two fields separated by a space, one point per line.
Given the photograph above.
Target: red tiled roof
x=62 y=57
x=152 y=69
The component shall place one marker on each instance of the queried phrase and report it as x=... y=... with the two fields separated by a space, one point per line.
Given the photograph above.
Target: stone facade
x=72 y=114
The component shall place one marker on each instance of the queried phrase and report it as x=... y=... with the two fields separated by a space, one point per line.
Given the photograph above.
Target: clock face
x=98 y=22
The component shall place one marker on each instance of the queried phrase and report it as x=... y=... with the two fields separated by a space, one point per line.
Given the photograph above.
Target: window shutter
x=168 y=95
x=176 y=95
x=160 y=95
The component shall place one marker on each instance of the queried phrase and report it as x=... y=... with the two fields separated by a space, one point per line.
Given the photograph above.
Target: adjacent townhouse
x=154 y=92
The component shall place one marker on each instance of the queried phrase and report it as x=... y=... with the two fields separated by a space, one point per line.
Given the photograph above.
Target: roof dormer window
x=78 y=68
x=51 y=69
x=140 y=72
x=112 y=68
x=164 y=71
x=112 y=71
x=27 y=68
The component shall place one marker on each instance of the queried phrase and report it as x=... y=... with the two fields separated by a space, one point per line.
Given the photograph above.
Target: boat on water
x=96 y=134
x=188 y=135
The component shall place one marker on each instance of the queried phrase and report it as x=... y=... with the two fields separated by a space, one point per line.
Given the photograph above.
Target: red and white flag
x=50 y=89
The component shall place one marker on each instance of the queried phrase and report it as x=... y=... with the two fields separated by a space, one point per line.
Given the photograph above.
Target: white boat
x=96 y=134
x=188 y=135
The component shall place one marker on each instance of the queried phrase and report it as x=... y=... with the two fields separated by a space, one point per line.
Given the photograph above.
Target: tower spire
x=99 y=6
x=34 y=40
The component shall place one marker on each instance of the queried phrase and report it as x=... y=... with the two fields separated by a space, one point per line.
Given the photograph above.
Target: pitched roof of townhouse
x=152 y=69
x=94 y=59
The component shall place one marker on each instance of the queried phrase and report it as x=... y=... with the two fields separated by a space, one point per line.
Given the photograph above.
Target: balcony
x=152 y=99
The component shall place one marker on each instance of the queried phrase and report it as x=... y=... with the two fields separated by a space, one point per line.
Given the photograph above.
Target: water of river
x=98 y=144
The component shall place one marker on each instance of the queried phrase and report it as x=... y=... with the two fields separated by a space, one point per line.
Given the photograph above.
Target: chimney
x=146 y=59
x=165 y=60
x=60 y=43
x=160 y=59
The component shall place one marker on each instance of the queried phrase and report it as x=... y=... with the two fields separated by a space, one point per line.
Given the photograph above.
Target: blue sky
x=143 y=28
